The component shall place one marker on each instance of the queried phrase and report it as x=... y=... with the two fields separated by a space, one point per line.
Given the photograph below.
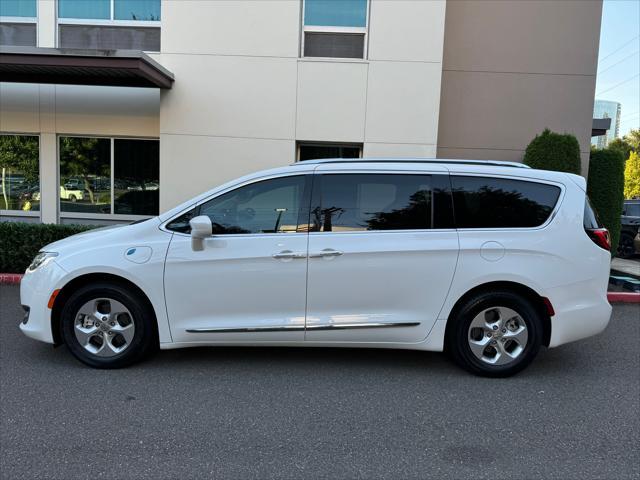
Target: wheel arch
x=67 y=290
x=537 y=300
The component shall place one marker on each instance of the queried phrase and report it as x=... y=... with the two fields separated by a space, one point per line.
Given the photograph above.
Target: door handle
x=288 y=254
x=327 y=252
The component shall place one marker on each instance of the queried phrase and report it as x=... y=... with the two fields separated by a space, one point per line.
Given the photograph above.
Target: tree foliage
x=554 y=151
x=18 y=153
x=605 y=189
x=82 y=157
x=632 y=176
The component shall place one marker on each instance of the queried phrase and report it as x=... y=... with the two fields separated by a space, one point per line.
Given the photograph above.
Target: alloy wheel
x=498 y=336
x=104 y=327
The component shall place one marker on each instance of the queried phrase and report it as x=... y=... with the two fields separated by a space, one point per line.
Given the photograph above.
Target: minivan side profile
x=488 y=261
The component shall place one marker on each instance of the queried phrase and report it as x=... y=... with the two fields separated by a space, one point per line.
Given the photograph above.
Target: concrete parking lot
x=319 y=413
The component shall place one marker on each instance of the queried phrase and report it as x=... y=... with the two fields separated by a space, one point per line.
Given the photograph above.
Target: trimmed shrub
x=632 y=176
x=605 y=188
x=554 y=151
x=20 y=242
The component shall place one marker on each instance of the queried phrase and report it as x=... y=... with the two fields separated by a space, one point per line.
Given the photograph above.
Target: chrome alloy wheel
x=498 y=335
x=104 y=327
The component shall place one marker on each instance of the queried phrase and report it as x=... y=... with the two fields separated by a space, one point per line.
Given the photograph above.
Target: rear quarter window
x=486 y=202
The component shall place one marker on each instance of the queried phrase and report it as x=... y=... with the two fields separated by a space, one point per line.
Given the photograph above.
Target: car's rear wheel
x=108 y=326
x=495 y=334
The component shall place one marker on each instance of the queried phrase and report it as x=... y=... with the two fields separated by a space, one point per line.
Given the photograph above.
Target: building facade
x=607 y=109
x=264 y=83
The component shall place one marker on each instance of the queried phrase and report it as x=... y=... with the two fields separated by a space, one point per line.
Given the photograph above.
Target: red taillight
x=600 y=237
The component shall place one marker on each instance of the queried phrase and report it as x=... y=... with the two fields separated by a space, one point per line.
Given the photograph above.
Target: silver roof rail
x=413 y=160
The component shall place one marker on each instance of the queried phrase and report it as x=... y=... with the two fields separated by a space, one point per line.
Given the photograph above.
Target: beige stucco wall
x=243 y=96
x=513 y=68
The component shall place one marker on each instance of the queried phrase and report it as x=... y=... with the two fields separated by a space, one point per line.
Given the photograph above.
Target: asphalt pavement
x=319 y=413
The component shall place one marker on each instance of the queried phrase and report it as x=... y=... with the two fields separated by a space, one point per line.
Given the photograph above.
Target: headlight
x=41 y=259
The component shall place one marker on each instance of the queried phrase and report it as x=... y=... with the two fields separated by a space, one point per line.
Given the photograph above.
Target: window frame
x=26 y=213
x=550 y=218
x=28 y=21
x=329 y=29
x=307 y=198
x=99 y=22
x=99 y=216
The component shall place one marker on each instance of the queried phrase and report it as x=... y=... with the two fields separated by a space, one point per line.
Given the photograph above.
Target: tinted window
x=270 y=206
x=631 y=209
x=481 y=202
x=356 y=202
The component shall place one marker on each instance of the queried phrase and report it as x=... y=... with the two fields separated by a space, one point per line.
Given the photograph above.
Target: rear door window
x=359 y=202
x=486 y=202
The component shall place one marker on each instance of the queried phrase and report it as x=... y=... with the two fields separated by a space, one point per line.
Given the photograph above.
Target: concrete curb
x=613 y=297
x=10 y=278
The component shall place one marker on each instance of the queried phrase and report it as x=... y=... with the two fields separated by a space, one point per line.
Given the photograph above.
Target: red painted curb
x=10 y=278
x=624 y=297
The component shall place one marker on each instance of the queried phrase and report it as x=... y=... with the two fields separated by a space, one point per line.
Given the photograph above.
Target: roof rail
x=413 y=160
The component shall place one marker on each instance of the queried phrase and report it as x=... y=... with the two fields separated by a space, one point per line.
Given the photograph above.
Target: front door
x=248 y=284
x=381 y=265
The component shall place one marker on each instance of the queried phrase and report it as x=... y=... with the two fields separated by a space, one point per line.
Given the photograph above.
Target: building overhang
x=121 y=68
x=600 y=126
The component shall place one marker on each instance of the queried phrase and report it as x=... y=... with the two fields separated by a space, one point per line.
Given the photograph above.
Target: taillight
x=600 y=237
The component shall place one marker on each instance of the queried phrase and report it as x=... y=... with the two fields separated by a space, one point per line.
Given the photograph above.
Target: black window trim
x=552 y=215
x=306 y=197
x=433 y=174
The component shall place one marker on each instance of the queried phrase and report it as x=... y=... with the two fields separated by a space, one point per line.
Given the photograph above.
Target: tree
x=85 y=158
x=554 y=151
x=633 y=139
x=605 y=188
x=621 y=145
x=18 y=154
x=632 y=176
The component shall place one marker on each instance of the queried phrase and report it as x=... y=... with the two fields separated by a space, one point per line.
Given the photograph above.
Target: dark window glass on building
x=18 y=34
x=320 y=151
x=359 y=202
x=20 y=172
x=101 y=37
x=136 y=185
x=269 y=206
x=482 y=202
x=334 y=44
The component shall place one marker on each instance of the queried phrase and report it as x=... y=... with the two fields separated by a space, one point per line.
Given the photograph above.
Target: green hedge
x=20 y=242
x=554 y=151
x=605 y=187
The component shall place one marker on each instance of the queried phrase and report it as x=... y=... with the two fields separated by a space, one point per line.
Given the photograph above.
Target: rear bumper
x=580 y=313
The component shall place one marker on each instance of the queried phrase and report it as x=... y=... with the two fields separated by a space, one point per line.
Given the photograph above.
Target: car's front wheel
x=108 y=326
x=495 y=334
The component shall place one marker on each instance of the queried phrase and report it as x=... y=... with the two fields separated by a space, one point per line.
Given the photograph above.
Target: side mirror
x=201 y=228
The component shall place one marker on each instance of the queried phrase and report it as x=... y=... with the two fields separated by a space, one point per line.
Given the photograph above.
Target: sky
x=619 y=60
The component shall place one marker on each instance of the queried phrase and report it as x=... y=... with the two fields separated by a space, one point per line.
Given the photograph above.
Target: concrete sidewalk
x=626 y=266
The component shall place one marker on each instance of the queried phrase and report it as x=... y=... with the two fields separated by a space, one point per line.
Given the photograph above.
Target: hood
x=102 y=234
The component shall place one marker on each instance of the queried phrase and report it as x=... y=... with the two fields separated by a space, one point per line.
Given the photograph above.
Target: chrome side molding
x=299 y=328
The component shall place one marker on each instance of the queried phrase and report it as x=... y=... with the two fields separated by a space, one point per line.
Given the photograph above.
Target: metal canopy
x=121 y=68
x=600 y=126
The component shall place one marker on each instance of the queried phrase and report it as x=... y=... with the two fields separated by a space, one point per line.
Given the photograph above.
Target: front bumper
x=35 y=290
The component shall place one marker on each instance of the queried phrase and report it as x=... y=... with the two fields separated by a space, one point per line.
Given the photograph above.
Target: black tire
x=626 y=248
x=72 y=198
x=457 y=339
x=145 y=337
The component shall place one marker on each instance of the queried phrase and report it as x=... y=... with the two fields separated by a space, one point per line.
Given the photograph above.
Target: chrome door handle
x=285 y=254
x=327 y=252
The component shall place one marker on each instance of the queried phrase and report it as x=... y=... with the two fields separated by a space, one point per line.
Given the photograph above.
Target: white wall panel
x=331 y=101
x=407 y=30
x=231 y=27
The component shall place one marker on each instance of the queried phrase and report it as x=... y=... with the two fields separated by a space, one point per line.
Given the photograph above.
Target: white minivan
x=486 y=260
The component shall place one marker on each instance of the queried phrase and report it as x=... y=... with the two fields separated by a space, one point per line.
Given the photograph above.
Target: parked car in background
x=630 y=222
x=65 y=194
x=489 y=261
x=636 y=241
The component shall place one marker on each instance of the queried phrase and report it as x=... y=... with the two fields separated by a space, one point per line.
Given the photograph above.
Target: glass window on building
x=90 y=183
x=106 y=24
x=20 y=167
x=316 y=151
x=335 y=29
x=19 y=25
x=136 y=185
